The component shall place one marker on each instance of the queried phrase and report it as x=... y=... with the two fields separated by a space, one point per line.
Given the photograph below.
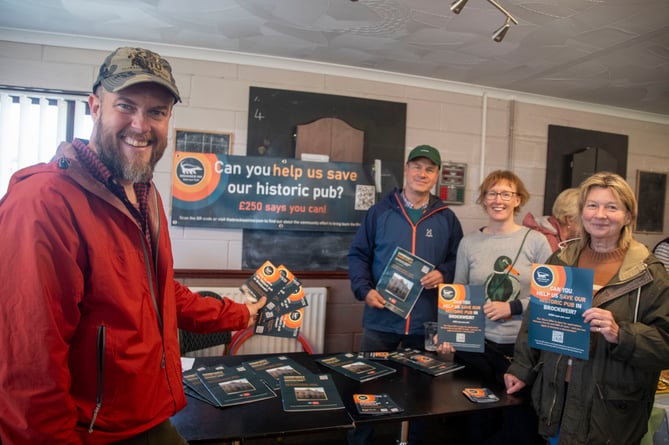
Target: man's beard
x=132 y=170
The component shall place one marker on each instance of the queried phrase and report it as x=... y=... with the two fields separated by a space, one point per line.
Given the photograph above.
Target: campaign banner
x=460 y=316
x=558 y=297
x=218 y=190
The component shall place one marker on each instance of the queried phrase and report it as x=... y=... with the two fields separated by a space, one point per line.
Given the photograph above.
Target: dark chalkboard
x=576 y=153
x=272 y=127
x=651 y=193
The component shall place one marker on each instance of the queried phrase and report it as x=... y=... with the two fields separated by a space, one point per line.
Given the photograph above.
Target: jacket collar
x=633 y=272
x=68 y=164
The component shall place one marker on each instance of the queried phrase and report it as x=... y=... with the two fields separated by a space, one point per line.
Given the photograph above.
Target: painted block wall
x=215 y=98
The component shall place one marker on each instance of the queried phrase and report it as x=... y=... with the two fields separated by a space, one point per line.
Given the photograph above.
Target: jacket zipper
x=555 y=374
x=154 y=274
x=100 y=359
x=414 y=227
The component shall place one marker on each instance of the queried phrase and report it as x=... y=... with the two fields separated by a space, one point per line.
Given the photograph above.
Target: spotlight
x=498 y=35
x=503 y=11
x=457 y=6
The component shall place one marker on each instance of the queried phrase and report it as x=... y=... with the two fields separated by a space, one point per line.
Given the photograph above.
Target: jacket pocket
x=618 y=416
x=100 y=347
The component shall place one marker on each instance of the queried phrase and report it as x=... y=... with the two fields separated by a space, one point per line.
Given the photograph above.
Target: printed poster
x=400 y=284
x=246 y=192
x=558 y=297
x=461 y=319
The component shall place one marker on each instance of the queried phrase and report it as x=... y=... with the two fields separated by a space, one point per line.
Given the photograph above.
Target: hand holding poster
x=461 y=319
x=400 y=284
x=559 y=296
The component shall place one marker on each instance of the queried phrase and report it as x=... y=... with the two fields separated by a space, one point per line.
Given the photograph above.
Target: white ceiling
x=608 y=52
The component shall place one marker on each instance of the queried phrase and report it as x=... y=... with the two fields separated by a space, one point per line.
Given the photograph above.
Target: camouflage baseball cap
x=129 y=66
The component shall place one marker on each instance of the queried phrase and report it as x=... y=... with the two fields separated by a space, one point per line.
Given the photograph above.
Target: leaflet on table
x=375 y=404
x=461 y=320
x=429 y=364
x=286 y=325
x=194 y=387
x=190 y=392
x=375 y=355
x=558 y=297
x=234 y=385
x=480 y=395
x=360 y=369
x=399 y=283
x=309 y=392
x=272 y=368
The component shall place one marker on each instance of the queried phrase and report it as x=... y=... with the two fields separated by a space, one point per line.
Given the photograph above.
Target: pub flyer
x=558 y=297
x=309 y=392
x=461 y=320
x=400 y=284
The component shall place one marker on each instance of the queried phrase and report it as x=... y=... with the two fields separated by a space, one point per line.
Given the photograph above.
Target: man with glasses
x=416 y=220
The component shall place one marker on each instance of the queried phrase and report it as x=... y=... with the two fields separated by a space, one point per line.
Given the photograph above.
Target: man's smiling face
x=130 y=129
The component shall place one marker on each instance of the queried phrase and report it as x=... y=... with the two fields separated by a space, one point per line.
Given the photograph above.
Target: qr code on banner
x=558 y=336
x=364 y=196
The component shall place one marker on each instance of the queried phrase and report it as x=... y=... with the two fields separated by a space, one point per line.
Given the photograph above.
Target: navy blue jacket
x=435 y=238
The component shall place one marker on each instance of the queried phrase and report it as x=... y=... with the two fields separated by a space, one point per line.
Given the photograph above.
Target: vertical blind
x=33 y=124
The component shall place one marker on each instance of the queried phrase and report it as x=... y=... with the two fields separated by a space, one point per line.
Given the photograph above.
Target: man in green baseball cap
x=425 y=151
x=419 y=222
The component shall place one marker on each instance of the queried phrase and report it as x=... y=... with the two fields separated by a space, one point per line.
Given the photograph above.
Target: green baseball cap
x=425 y=151
x=129 y=66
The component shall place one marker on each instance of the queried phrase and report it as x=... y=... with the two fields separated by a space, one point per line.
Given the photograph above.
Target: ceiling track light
x=457 y=6
x=504 y=11
x=498 y=35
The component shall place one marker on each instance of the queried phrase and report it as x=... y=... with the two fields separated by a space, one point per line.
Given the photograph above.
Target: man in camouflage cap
x=129 y=66
x=92 y=325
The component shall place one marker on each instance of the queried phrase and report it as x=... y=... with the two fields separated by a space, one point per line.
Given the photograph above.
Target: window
x=33 y=123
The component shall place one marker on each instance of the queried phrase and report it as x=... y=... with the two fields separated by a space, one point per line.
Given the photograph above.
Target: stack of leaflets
x=400 y=284
x=375 y=404
x=283 y=314
x=429 y=364
x=272 y=368
x=355 y=367
x=225 y=386
x=480 y=395
x=309 y=392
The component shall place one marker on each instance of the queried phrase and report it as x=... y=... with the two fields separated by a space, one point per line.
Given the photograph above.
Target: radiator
x=313 y=327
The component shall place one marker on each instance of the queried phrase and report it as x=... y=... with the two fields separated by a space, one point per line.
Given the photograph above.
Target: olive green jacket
x=610 y=396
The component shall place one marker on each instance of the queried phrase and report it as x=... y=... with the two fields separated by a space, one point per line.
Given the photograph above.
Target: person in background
x=661 y=251
x=88 y=322
x=606 y=399
x=416 y=220
x=499 y=256
x=563 y=225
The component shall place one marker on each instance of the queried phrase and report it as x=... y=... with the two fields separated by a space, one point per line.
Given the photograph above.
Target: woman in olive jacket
x=608 y=398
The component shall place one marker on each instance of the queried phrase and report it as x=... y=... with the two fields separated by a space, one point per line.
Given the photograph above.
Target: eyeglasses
x=506 y=196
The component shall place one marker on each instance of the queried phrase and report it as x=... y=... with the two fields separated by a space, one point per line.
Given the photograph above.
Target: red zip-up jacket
x=89 y=311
